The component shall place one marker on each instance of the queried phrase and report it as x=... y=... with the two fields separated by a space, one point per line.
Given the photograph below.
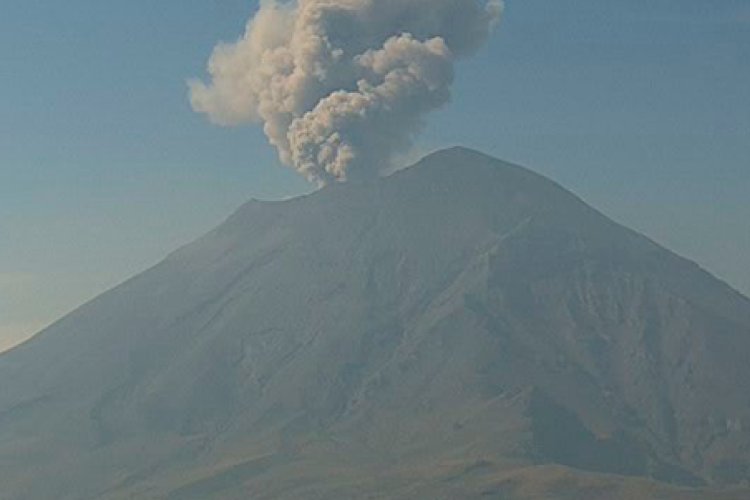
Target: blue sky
x=640 y=107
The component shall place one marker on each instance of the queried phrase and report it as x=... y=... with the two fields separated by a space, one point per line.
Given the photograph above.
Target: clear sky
x=642 y=107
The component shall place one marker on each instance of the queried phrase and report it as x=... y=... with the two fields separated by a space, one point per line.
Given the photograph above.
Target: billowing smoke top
x=342 y=85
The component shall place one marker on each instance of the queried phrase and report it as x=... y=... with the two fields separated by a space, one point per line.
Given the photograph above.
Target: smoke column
x=341 y=86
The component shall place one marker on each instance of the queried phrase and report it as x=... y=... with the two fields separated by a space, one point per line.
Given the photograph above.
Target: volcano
x=462 y=329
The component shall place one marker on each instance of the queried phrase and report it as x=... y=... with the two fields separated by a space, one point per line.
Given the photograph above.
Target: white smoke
x=341 y=86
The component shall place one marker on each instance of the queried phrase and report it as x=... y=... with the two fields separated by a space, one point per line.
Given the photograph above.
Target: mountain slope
x=442 y=333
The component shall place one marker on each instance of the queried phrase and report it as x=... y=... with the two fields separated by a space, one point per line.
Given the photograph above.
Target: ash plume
x=341 y=86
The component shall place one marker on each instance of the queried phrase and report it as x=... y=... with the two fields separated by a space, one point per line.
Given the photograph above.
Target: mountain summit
x=462 y=329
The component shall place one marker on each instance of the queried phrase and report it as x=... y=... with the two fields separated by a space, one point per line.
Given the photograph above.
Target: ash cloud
x=342 y=86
